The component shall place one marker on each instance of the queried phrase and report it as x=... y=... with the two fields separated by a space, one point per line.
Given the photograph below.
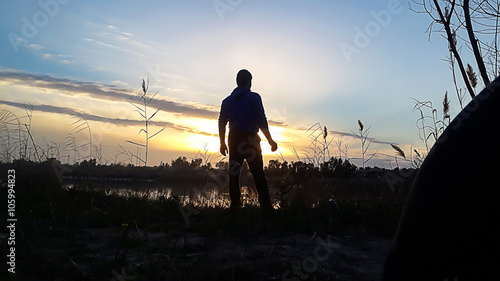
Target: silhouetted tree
x=181 y=161
x=473 y=22
x=337 y=168
x=196 y=163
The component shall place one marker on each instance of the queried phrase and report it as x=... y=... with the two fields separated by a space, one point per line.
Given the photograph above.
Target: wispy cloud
x=114 y=93
x=351 y=135
x=91 y=117
x=100 y=43
x=63 y=59
x=104 y=92
x=42 y=52
x=113 y=37
x=34 y=47
x=341 y=134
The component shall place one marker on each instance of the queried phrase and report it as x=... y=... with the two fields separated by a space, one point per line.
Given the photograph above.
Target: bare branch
x=474 y=43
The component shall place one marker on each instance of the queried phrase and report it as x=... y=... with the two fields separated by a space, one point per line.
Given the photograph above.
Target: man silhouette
x=244 y=111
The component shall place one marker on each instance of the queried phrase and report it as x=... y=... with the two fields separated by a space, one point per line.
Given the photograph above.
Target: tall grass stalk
x=318 y=150
x=412 y=161
x=11 y=135
x=141 y=106
x=25 y=141
x=342 y=150
x=429 y=124
x=362 y=135
x=79 y=125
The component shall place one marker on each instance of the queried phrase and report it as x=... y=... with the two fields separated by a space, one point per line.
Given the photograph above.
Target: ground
x=186 y=255
x=89 y=230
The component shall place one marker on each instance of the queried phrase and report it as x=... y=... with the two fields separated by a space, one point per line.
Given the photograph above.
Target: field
x=93 y=222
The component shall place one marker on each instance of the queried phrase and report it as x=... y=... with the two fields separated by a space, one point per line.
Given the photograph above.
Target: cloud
x=38 y=50
x=120 y=83
x=104 y=92
x=352 y=135
x=346 y=134
x=100 y=43
x=63 y=59
x=113 y=37
x=35 y=47
x=113 y=93
x=115 y=121
x=122 y=94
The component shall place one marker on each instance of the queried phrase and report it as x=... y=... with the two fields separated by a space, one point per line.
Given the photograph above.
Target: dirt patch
x=294 y=256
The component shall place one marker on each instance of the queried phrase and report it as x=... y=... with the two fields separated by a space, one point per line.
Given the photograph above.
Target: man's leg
x=235 y=162
x=234 y=181
x=256 y=165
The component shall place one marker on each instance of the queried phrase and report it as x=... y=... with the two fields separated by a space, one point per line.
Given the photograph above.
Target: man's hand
x=274 y=145
x=223 y=148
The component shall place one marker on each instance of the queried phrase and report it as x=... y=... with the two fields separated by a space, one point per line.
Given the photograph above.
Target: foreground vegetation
x=87 y=230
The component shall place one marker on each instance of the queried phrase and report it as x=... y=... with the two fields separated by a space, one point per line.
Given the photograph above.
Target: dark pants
x=246 y=146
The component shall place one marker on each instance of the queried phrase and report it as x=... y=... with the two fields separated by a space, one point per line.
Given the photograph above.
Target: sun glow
x=277 y=134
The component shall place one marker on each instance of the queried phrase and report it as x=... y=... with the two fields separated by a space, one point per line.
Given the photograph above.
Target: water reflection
x=200 y=198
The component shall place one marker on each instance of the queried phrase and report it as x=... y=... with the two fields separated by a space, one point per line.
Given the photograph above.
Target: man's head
x=244 y=78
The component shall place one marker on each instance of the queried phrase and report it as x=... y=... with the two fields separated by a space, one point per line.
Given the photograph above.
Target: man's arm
x=262 y=121
x=222 y=137
x=223 y=119
x=274 y=145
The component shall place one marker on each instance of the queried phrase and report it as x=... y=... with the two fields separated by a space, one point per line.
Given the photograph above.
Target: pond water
x=187 y=195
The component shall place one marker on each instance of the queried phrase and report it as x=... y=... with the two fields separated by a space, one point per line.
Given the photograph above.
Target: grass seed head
x=399 y=150
x=446 y=106
x=416 y=152
x=361 y=127
x=471 y=75
x=143 y=86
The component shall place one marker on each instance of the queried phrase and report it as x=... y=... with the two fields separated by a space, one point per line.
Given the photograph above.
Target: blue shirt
x=243 y=110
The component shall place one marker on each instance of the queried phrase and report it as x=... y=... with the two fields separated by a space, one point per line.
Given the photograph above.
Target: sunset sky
x=331 y=62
